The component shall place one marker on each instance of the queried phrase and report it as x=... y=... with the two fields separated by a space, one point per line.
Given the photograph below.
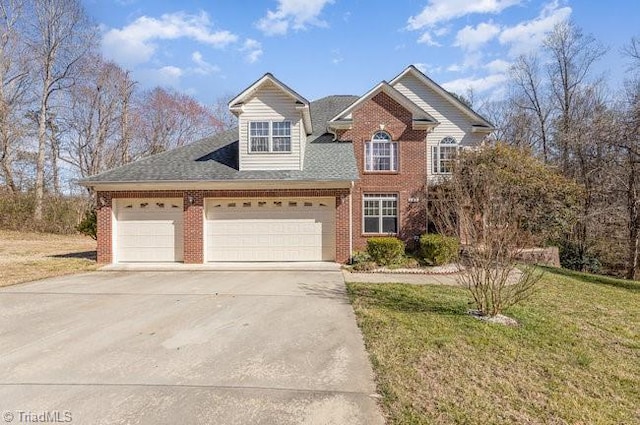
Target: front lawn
x=27 y=256
x=575 y=359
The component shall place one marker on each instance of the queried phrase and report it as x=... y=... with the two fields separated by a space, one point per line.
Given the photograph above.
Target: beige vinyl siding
x=453 y=122
x=270 y=104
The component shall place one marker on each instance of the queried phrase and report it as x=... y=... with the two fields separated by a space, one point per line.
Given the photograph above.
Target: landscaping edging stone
x=447 y=269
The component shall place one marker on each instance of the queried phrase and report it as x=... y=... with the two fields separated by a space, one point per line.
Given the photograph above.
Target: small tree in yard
x=504 y=200
x=89 y=224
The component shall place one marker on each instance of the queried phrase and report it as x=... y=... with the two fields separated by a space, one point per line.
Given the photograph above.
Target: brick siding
x=408 y=182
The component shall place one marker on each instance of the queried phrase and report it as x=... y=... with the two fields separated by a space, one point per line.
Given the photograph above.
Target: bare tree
x=127 y=87
x=628 y=169
x=14 y=83
x=573 y=54
x=632 y=51
x=96 y=119
x=515 y=126
x=166 y=119
x=60 y=36
x=531 y=96
x=222 y=113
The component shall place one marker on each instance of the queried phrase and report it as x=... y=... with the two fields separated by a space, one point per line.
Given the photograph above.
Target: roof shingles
x=216 y=158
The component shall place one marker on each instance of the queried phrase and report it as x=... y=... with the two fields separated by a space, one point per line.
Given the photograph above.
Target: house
x=295 y=181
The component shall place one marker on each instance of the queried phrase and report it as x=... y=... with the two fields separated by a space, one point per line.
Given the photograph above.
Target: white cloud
x=203 y=67
x=166 y=76
x=498 y=66
x=438 y=11
x=422 y=67
x=428 y=40
x=252 y=49
x=472 y=60
x=527 y=35
x=428 y=69
x=442 y=31
x=478 y=85
x=471 y=38
x=136 y=43
x=296 y=14
x=336 y=56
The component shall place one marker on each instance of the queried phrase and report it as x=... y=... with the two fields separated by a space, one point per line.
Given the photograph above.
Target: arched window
x=380 y=153
x=443 y=155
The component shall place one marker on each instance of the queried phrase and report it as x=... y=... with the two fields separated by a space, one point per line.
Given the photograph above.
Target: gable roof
x=483 y=124
x=421 y=118
x=235 y=104
x=215 y=159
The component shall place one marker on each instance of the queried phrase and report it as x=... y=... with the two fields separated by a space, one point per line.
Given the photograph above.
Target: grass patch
x=632 y=285
x=574 y=359
x=28 y=256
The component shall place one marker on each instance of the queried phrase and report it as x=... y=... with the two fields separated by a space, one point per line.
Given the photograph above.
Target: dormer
x=274 y=122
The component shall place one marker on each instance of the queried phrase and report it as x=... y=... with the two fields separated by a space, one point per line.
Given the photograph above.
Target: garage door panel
x=149 y=230
x=270 y=230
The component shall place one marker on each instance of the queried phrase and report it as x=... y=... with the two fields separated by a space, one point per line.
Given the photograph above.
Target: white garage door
x=270 y=229
x=148 y=230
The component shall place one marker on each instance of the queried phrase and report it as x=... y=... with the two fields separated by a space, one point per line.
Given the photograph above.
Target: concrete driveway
x=262 y=347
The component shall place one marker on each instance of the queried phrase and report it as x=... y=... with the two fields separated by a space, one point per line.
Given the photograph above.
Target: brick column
x=342 y=228
x=104 y=231
x=193 y=227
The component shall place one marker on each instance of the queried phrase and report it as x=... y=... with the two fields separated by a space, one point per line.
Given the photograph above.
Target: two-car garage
x=245 y=229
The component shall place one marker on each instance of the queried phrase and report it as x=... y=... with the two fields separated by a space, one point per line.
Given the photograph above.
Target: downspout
x=351 y=220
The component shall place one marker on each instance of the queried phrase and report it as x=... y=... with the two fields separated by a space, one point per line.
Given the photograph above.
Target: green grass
x=575 y=358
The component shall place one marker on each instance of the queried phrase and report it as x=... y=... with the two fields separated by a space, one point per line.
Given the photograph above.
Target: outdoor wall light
x=190 y=200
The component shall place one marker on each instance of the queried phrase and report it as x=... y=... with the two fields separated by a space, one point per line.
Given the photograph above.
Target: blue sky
x=214 y=48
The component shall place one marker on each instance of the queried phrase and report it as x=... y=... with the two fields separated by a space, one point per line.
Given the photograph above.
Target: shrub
x=89 y=224
x=385 y=250
x=575 y=257
x=360 y=257
x=61 y=214
x=438 y=249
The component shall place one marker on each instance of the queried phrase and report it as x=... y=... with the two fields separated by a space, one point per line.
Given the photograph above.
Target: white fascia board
x=422 y=125
x=481 y=129
x=306 y=118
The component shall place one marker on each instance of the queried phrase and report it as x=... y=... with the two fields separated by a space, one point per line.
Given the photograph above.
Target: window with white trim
x=270 y=136
x=443 y=155
x=380 y=213
x=380 y=153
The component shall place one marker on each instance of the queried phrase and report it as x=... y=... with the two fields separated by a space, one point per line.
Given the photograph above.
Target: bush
x=360 y=257
x=89 y=224
x=438 y=249
x=573 y=257
x=61 y=214
x=385 y=250
x=361 y=261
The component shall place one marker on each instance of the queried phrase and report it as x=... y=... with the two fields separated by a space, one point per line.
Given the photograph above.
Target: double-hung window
x=380 y=153
x=443 y=156
x=380 y=213
x=270 y=136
